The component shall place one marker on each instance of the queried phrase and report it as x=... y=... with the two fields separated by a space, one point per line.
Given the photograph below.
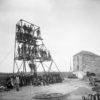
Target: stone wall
x=77 y=63
x=86 y=62
x=90 y=63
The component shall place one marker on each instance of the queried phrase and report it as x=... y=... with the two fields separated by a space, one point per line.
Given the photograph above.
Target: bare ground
x=73 y=89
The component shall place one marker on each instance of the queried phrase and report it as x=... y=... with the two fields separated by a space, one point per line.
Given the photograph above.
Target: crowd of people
x=27 y=33
x=31 y=51
x=27 y=37
x=36 y=80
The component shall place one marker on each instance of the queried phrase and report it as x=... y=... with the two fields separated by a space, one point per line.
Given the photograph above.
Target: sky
x=67 y=27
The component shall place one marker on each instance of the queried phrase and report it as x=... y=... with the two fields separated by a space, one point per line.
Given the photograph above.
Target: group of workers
x=36 y=80
x=31 y=51
x=13 y=82
x=27 y=34
x=24 y=50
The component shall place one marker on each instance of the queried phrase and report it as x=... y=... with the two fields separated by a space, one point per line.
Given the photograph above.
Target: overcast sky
x=67 y=27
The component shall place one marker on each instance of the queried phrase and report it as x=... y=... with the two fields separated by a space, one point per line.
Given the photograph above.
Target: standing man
x=17 y=83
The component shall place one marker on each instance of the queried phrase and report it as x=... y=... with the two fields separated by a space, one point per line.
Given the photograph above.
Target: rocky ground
x=73 y=89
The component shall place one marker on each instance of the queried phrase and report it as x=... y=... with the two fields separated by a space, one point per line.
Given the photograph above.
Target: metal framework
x=29 y=49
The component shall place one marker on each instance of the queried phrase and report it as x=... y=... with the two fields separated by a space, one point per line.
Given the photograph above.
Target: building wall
x=77 y=63
x=86 y=63
x=91 y=63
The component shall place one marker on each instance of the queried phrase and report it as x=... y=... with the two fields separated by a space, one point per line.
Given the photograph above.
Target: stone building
x=86 y=61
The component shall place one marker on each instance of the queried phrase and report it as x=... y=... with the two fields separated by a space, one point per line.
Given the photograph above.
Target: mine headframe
x=29 y=49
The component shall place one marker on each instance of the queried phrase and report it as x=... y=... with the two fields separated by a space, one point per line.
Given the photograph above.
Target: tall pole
x=14 y=55
x=70 y=64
